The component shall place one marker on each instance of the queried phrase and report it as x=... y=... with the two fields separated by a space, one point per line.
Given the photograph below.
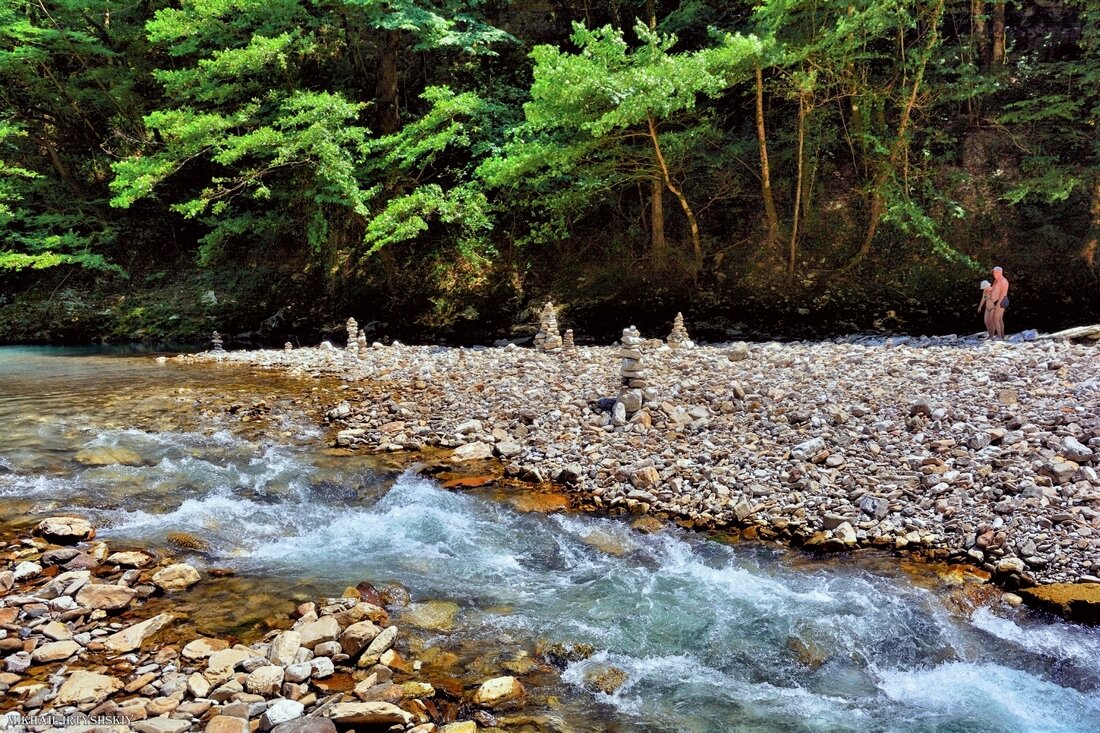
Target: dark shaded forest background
x=440 y=168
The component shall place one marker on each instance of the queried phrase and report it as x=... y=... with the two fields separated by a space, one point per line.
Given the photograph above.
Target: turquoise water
x=711 y=637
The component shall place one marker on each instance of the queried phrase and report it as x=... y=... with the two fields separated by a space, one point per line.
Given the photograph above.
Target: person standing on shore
x=985 y=307
x=999 y=295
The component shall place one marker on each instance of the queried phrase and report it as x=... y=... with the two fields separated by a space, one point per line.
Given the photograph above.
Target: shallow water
x=712 y=637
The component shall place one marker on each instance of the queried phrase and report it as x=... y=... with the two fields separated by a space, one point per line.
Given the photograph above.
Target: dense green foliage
x=450 y=155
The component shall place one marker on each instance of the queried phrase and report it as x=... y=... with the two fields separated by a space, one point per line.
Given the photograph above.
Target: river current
x=711 y=636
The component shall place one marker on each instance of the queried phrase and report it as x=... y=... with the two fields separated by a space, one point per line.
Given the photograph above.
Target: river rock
x=498 y=691
x=133 y=637
x=26 y=571
x=202 y=648
x=130 y=559
x=17 y=663
x=180 y=576
x=7 y=581
x=198 y=685
x=280 y=711
x=55 y=651
x=227 y=724
x=358 y=636
x=368 y=713
x=382 y=642
x=105 y=597
x=738 y=351
x=161 y=725
x=1075 y=451
x=108 y=456
x=476 y=451
x=808 y=449
x=284 y=648
x=87 y=688
x=267 y=680
x=323 y=629
x=431 y=615
x=306 y=725
x=1078 y=602
x=65 y=530
x=462 y=726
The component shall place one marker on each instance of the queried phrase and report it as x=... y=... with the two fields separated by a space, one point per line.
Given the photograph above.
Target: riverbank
x=953 y=449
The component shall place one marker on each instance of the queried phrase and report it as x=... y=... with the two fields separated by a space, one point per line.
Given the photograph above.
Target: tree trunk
x=696 y=240
x=1093 y=243
x=793 y=248
x=901 y=142
x=657 y=222
x=765 y=170
x=389 y=116
x=979 y=33
x=997 y=59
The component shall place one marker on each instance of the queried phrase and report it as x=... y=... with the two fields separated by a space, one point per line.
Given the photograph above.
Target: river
x=712 y=636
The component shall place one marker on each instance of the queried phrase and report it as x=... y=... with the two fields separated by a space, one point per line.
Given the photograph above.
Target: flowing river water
x=712 y=636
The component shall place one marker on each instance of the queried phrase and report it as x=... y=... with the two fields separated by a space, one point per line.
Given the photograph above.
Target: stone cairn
x=353 y=340
x=288 y=347
x=567 y=345
x=216 y=343
x=632 y=371
x=548 y=338
x=362 y=345
x=679 y=336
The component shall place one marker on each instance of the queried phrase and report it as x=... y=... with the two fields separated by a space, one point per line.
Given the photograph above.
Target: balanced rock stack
x=287 y=346
x=678 y=337
x=353 y=337
x=216 y=342
x=632 y=371
x=362 y=345
x=548 y=338
x=567 y=345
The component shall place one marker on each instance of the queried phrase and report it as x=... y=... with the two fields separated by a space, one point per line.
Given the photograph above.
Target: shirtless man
x=999 y=295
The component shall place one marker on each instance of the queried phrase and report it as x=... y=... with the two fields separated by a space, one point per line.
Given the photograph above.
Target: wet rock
x=1078 y=602
x=306 y=725
x=65 y=530
x=202 y=648
x=129 y=559
x=431 y=615
x=499 y=691
x=187 y=541
x=316 y=632
x=108 y=456
x=605 y=679
x=367 y=713
x=180 y=576
x=358 y=637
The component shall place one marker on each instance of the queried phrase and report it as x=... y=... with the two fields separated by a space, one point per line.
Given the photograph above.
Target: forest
x=439 y=168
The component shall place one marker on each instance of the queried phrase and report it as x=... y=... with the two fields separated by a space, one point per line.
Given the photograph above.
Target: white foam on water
x=1006 y=699
x=1057 y=639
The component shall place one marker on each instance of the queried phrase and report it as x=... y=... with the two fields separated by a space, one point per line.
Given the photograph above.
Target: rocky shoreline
x=81 y=651
x=949 y=448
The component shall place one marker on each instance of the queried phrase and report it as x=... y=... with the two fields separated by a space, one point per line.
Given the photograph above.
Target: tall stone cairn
x=362 y=344
x=679 y=336
x=548 y=338
x=632 y=370
x=216 y=343
x=567 y=345
x=353 y=333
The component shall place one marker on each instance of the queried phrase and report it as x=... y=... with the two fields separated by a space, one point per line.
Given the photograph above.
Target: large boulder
x=65 y=530
x=323 y=629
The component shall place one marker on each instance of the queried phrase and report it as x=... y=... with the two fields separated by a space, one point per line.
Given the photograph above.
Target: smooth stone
x=87 y=688
x=498 y=691
x=202 y=648
x=306 y=725
x=316 y=632
x=180 y=576
x=279 y=712
x=367 y=713
x=65 y=530
x=161 y=725
x=133 y=637
x=105 y=597
x=55 y=651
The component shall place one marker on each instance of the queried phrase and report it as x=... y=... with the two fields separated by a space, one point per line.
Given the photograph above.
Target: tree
x=603 y=118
